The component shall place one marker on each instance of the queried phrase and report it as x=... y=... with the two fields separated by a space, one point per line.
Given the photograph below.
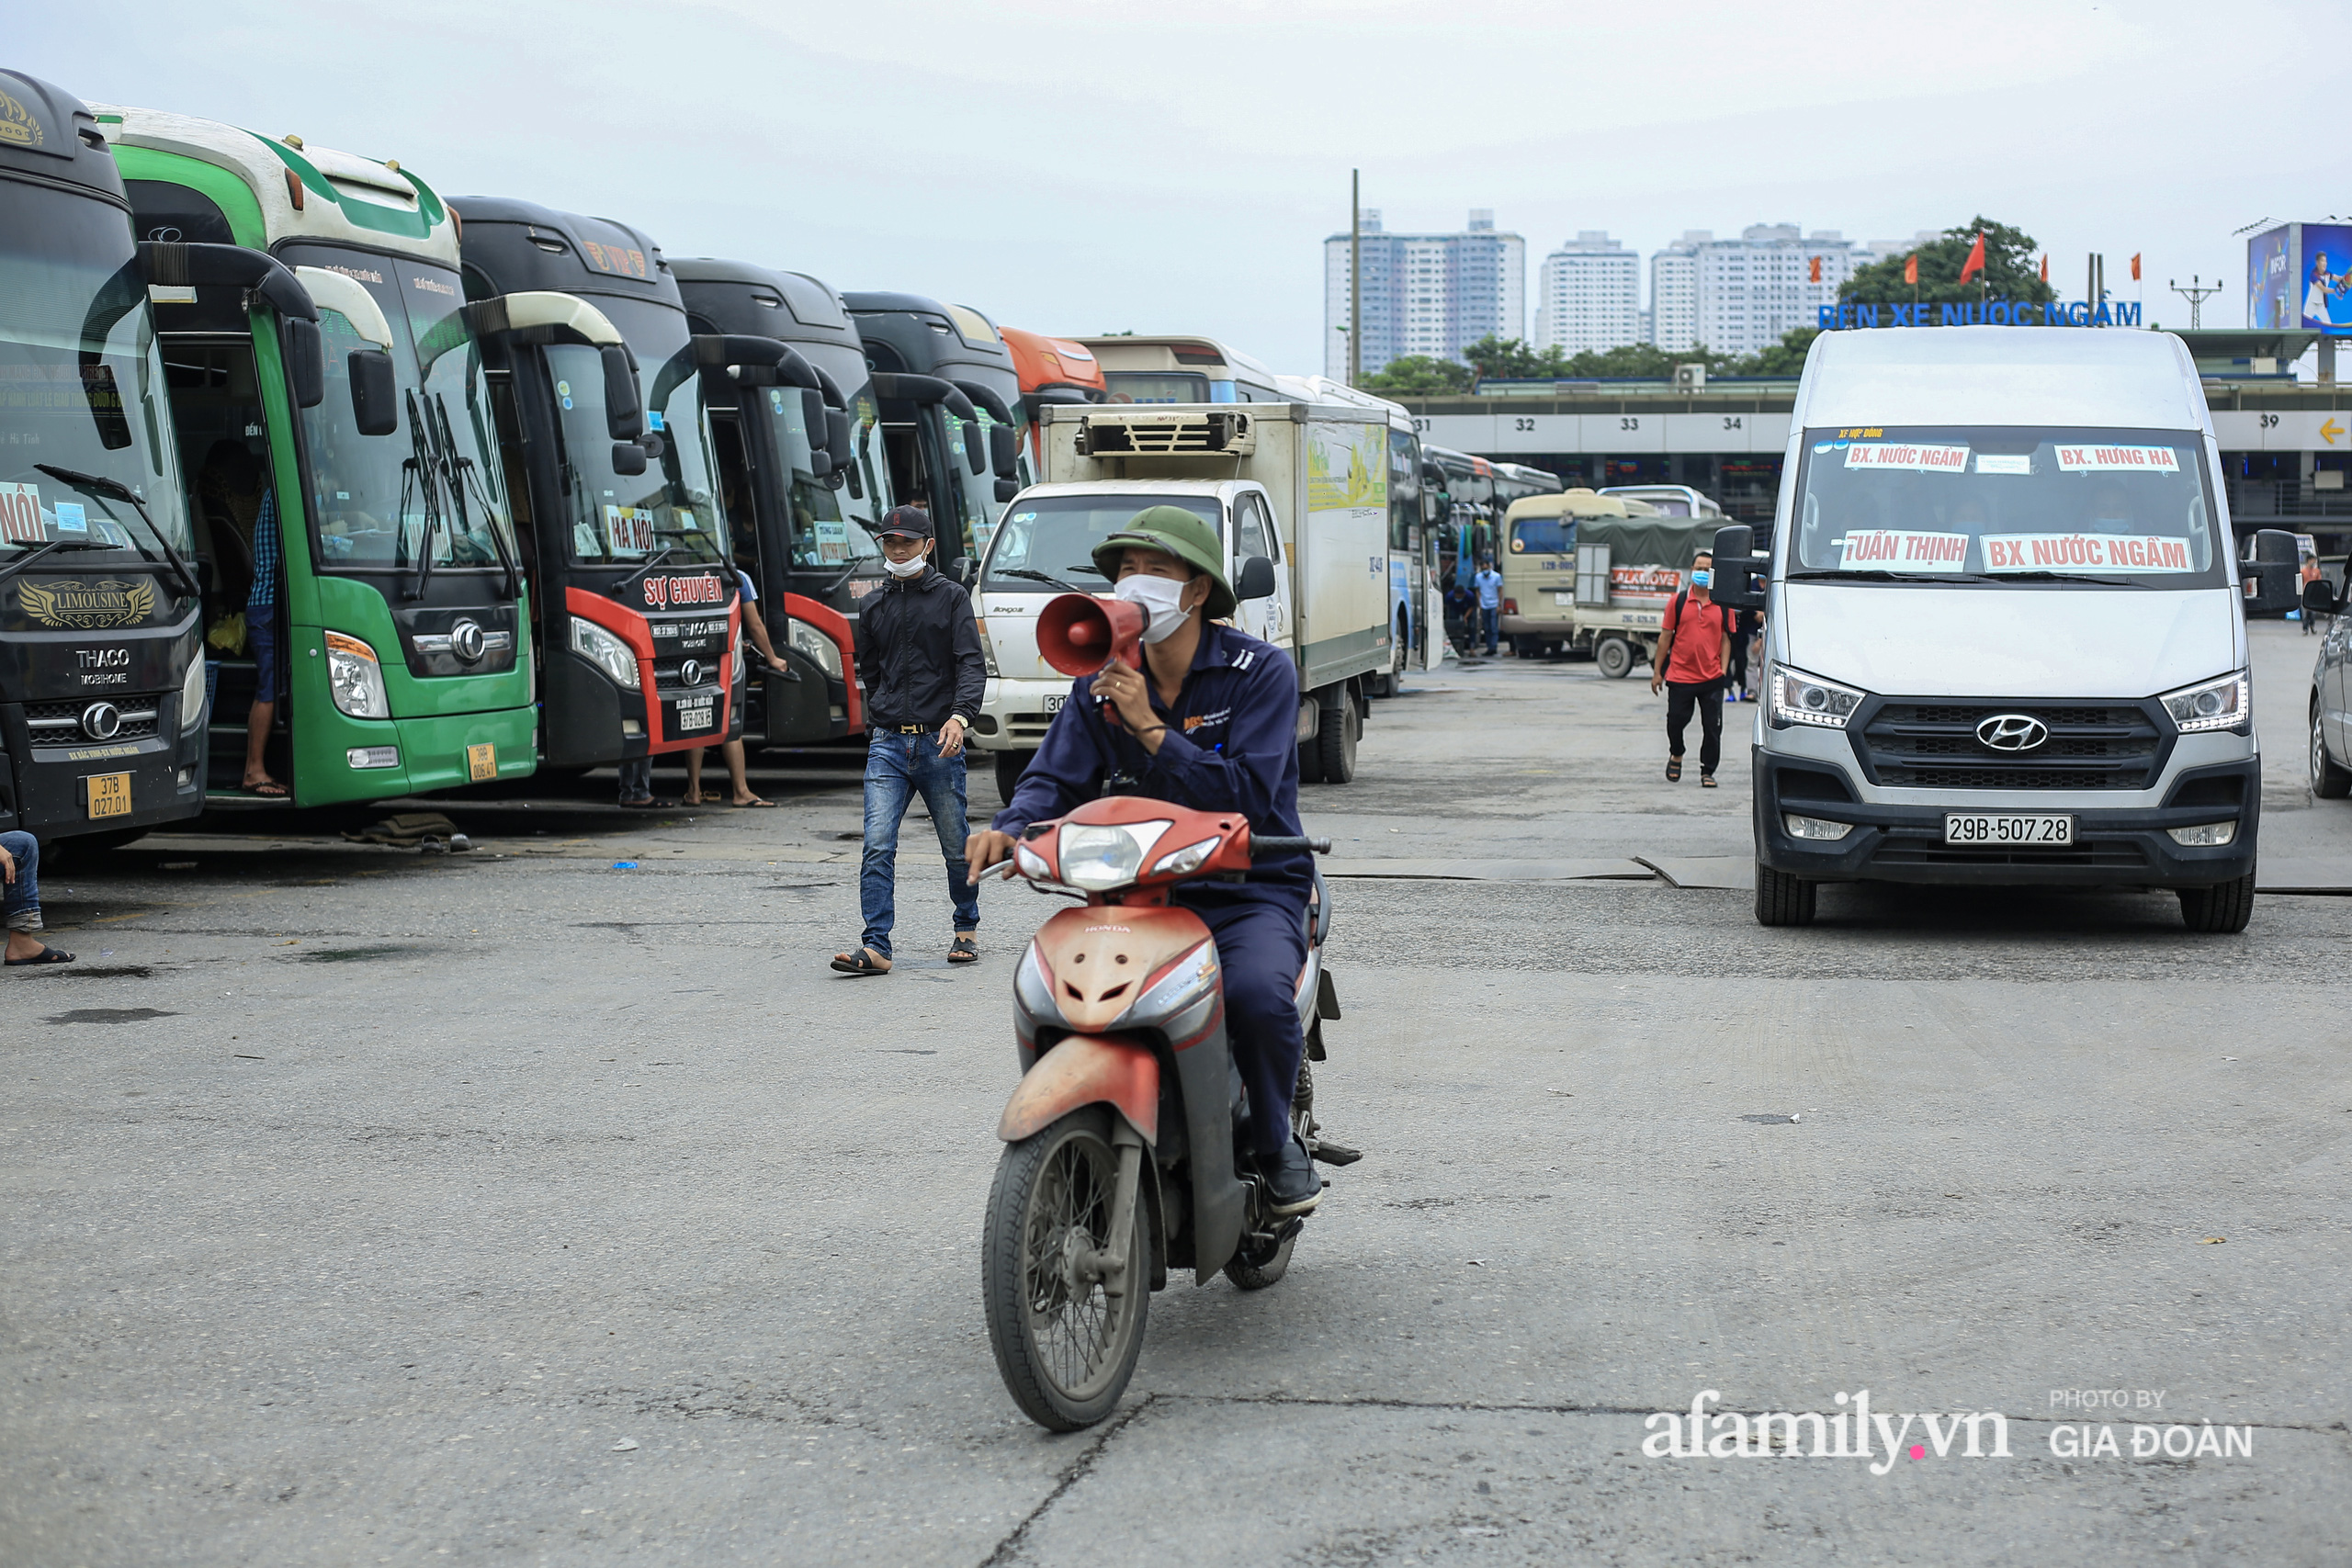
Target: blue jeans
x=20 y=904
x=1492 y=615
x=896 y=768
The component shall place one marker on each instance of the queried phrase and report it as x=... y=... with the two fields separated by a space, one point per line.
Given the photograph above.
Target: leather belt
x=911 y=729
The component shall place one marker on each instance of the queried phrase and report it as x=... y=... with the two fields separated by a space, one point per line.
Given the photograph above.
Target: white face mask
x=906 y=567
x=1158 y=598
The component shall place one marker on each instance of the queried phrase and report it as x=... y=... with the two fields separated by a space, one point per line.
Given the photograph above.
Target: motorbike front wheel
x=1064 y=1345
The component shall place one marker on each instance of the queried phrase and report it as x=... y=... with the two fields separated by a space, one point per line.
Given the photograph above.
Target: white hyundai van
x=2004 y=623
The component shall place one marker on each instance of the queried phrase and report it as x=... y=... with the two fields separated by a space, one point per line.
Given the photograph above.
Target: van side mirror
x=1737 y=569
x=1257 y=579
x=2319 y=597
x=2269 y=576
x=375 y=395
x=624 y=413
x=815 y=418
x=628 y=458
x=963 y=569
x=1004 y=451
x=1006 y=488
x=306 y=363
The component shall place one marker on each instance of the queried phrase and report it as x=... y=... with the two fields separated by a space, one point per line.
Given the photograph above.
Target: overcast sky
x=1080 y=168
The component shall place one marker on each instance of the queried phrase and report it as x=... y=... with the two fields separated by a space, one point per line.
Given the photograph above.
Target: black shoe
x=1292 y=1181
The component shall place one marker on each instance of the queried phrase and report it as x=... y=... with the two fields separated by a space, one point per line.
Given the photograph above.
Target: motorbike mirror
x=817 y=420
x=1078 y=634
x=624 y=414
x=375 y=394
x=1006 y=488
x=628 y=458
x=1257 y=579
x=306 y=363
x=1005 y=450
x=840 y=437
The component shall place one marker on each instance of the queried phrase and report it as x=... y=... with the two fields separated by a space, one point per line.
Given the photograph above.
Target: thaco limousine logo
x=88 y=606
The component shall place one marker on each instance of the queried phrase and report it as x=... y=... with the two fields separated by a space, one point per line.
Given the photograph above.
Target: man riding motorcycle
x=1210 y=722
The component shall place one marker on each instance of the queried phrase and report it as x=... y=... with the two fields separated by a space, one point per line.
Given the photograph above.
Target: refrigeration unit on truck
x=1303 y=486
x=2005 y=637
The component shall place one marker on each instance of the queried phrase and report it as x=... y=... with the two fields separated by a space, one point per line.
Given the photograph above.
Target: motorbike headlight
x=2224 y=704
x=1189 y=858
x=192 y=696
x=1098 y=858
x=355 y=678
x=1799 y=698
x=605 y=651
x=817 y=646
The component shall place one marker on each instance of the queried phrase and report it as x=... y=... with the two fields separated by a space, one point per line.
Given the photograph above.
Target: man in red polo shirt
x=1689 y=663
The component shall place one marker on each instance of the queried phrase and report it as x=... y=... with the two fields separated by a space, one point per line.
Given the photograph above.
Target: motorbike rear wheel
x=1064 y=1345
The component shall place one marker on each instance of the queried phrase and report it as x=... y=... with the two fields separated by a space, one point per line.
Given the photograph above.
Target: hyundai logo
x=690 y=672
x=102 y=721
x=2012 y=732
x=465 y=640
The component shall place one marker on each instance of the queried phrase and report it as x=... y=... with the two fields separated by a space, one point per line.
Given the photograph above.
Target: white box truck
x=1304 y=485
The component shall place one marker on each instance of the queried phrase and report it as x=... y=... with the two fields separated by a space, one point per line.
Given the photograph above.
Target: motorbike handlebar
x=1264 y=845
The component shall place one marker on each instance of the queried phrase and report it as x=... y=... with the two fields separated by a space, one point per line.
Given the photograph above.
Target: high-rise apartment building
x=1739 y=296
x=1674 y=290
x=1426 y=294
x=1589 y=296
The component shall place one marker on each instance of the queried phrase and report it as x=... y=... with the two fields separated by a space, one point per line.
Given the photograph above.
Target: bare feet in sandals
x=964 y=949
x=264 y=785
x=865 y=961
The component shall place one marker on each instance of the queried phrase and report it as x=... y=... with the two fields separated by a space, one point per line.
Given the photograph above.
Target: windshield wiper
x=2059 y=576
x=1035 y=577
x=466 y=472
x=37 y=551
x=420 y=460
x=115 y=490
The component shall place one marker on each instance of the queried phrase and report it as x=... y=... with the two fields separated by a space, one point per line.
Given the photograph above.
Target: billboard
x=2299 y=277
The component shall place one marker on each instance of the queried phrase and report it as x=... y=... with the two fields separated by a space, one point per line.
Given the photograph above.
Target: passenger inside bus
x=236 y=499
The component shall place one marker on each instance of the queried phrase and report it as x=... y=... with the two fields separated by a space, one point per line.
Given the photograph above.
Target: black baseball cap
x=911 y=521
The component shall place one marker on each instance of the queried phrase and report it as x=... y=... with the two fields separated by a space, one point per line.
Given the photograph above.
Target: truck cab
x=2005 y=625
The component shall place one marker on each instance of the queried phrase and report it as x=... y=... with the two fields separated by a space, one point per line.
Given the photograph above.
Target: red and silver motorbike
x=1126 y=1147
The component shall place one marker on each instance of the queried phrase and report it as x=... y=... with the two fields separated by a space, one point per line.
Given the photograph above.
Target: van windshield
x=1055 y=535
x=2001 y=505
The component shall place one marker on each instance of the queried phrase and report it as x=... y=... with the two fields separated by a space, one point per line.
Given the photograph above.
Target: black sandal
x=859 y=963
x=46 y=956
x=1674 y=769
x=1707 y=781
x=964 y=950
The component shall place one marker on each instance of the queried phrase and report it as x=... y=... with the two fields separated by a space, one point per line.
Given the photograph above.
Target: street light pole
x=2196 y=293
x=1355 y=278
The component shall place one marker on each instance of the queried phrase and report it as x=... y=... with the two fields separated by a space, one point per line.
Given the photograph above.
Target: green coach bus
x=398 y=606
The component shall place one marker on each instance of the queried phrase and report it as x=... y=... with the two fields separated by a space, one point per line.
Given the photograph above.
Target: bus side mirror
x=375 y=394
x=1736 y=569
x=817 y=420
x=2319 y=597
x=975 y=451
x=624 y=416
x=2269 y=578
x=306 y=363
x=1006 y=488
x=840 y=439
x=628 y=458
x=1004 y=451
x=1257 y=579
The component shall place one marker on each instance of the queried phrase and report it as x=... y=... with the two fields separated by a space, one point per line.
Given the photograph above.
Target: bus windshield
x=2115 y=508
x=824 y=535
x=976 y=493
x=618 y=518
x=375 y=498
x=1156 y=386
x=1054 y=536
x=81 y=381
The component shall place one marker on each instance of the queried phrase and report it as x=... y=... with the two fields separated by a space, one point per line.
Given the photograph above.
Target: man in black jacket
x=918 y=653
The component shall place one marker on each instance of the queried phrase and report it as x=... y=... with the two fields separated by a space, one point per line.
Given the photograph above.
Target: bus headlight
x=606 y=652
x=814 y=644
x=355 y=679
x=192 y=696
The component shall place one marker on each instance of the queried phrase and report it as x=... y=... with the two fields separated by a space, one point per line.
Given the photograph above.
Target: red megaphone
x=1078 y=635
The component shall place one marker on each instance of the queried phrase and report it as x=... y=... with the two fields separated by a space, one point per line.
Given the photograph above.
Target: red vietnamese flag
x=2135 y=267
x=1911 y=268
x=1975 y=262
x=1816 y=269
x=2045 y=266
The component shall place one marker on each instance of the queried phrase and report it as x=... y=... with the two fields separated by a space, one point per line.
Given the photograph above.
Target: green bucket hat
x=1172 y=531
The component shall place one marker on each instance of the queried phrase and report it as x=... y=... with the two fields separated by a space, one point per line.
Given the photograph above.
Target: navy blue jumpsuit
x=1230 y=746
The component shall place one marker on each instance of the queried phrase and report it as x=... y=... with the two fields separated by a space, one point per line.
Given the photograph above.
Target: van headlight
x=1799 y=698
x=2224 y=704
x=192 y=696
x=815 y=645
x=355 y=678
x=606 y=652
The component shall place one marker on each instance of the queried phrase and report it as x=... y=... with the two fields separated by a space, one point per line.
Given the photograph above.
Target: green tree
x=1785 y=357
x=2012 y=270
x=1510 y=359
x=1419 y=374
